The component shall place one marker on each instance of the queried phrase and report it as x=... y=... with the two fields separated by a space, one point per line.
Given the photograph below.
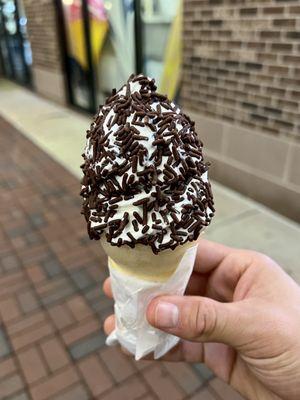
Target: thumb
x=198 y=319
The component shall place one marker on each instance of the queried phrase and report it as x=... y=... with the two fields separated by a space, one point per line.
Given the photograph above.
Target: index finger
x=209 y=256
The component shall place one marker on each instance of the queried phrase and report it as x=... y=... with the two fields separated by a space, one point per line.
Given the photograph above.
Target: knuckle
x=201 y=320
x=231 y=258
x=248 y=256
x=257 y=259
x=262 y=259
x=239 y=259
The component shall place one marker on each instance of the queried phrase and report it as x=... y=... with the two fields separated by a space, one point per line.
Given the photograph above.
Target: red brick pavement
x=52 y=309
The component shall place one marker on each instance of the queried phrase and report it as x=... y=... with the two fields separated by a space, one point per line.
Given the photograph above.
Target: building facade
x=241 y=81
x=47 y=70
x=240 y=74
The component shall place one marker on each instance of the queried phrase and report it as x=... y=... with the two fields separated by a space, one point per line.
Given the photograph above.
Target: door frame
x=61 y=23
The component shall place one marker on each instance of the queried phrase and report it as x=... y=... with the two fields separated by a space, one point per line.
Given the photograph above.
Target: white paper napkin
x=132 y=297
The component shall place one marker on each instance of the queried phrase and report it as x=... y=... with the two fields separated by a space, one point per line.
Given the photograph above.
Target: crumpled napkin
x=132 y=297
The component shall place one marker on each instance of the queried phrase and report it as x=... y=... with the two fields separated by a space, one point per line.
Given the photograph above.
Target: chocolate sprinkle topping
x=143 y=155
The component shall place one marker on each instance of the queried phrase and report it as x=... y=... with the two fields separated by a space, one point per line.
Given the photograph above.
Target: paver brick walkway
x=52 y=308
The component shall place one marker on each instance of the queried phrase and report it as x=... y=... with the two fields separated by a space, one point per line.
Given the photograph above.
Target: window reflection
x=24 y=34
x=103 y=48
x=112 y=42
x=162 y=43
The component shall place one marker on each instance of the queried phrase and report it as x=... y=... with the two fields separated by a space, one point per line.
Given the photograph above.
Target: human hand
x=240 y=316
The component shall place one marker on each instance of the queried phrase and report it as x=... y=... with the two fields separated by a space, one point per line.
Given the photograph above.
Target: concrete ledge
x=49 y=84
x=280 y=198
x=294 y=166
x=259 y=165
x=263 y=152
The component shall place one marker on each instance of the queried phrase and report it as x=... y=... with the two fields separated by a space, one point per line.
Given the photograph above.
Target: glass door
x=108 y=40
x=113 y=43
x=78 y=53
x=99 y=46
x=14 y=44
x=161 y=43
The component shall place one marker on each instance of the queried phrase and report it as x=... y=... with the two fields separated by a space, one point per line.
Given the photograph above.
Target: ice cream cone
x=147 y=198
x=142 y=263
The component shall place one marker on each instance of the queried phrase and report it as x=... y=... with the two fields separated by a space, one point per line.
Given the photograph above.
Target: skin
x=240 y=316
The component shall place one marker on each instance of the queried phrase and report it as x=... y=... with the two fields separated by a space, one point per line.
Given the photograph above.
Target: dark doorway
x=99 y=47
x=75 y=30
x=105 y=41
x=15 y=52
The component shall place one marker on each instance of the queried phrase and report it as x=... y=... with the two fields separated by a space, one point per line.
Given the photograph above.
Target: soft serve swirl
x=145 y=180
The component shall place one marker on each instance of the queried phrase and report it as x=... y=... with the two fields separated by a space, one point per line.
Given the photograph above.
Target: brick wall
x=45 y=45
x=241 y=78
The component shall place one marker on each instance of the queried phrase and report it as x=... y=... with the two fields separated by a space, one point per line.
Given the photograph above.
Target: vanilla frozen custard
x=145 y=181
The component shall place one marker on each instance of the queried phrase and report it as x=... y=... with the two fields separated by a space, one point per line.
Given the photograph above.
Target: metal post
x=21 y=44
x=11 y=73
x=64 y=50
x=87 y=34
x=138 y=28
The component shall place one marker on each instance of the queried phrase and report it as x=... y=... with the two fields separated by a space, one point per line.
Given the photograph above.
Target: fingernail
x=166 y=315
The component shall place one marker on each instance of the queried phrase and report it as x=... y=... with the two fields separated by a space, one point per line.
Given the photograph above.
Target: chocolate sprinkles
x=146 y=149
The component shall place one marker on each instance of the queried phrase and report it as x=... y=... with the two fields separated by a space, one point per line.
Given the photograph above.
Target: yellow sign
x=172 y=61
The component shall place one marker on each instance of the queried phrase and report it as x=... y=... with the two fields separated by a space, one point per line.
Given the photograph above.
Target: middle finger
x=107 y=288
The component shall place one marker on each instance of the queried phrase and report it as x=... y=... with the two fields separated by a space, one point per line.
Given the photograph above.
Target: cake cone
x=142 y=263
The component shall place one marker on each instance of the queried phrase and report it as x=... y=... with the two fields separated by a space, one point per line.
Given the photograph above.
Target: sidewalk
x=51 y=304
